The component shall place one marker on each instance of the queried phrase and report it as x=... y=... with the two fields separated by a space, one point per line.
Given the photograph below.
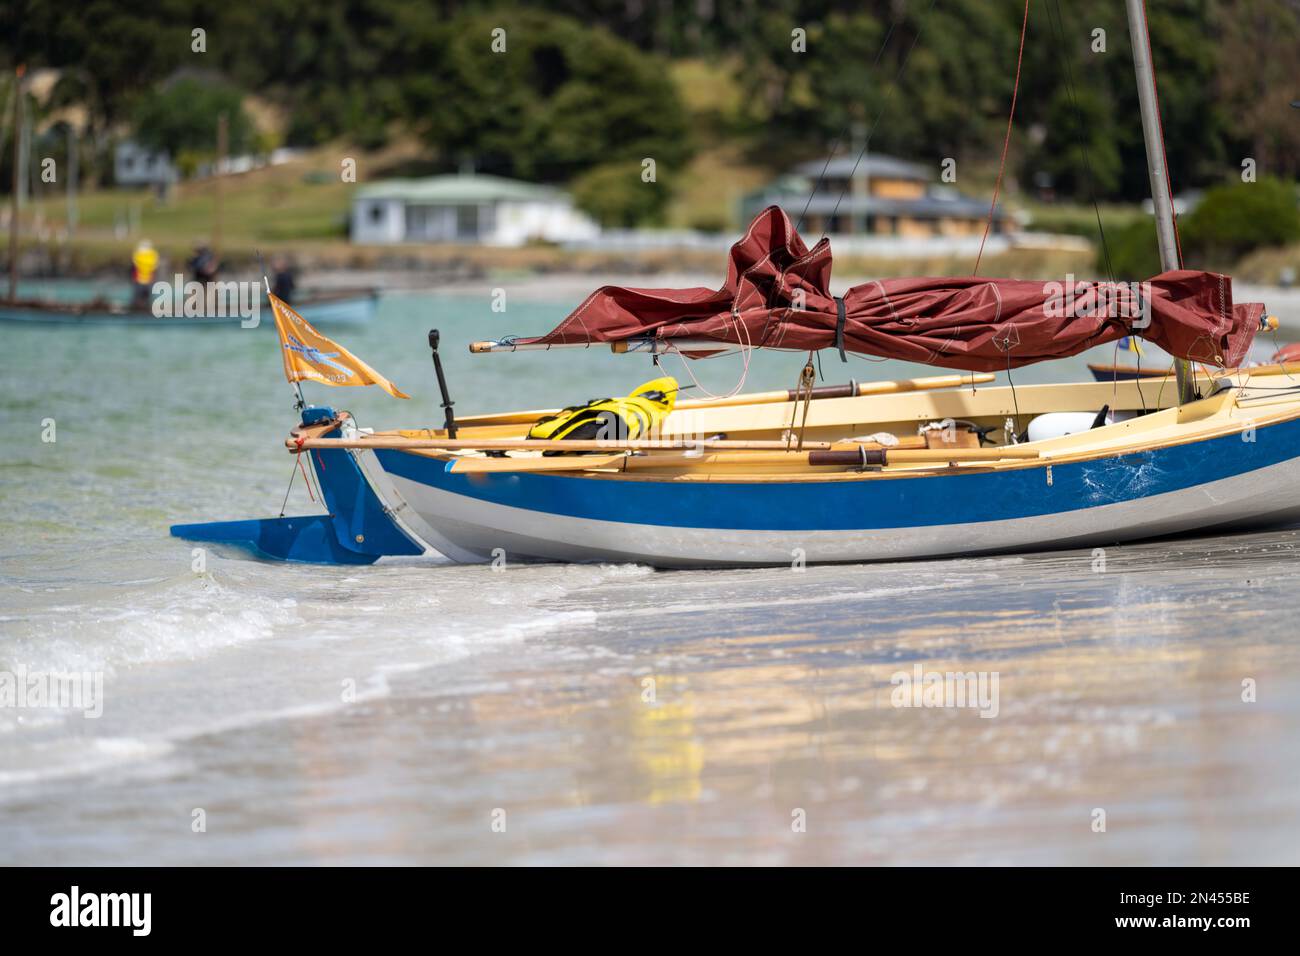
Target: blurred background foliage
x=590 y=87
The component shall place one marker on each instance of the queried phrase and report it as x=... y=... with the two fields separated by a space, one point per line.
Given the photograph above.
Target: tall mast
x=1161 y=199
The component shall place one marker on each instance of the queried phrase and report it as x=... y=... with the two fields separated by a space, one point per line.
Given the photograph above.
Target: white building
x=133 y=165
x=469 y=208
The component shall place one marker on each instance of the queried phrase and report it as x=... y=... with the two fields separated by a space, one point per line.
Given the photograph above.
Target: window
x=376 y=213
x=467 y=222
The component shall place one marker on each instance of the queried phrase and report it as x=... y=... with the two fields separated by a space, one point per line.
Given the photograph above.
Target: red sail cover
x=777 y=295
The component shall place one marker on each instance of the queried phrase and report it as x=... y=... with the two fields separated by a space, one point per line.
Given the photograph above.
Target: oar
x=463 y=466
x=740 y=459
x=852 y=389
x=532 y=444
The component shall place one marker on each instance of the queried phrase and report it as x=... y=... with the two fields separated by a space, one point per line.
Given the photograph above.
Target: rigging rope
x=745 y=350
x=1006 y=142
x=293 y=473
x=803 y=393
x=303 y=468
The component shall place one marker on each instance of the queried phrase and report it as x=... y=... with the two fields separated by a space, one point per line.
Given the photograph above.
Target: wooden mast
x=1157 y=167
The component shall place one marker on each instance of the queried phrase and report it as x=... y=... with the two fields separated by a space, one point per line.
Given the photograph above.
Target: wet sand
x=423 y=713
x=1118 y=689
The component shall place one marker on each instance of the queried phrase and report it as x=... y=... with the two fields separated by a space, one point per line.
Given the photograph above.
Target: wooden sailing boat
x=337 y=307
x=850 y=473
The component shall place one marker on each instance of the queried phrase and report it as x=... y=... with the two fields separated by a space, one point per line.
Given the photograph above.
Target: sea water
x=1145 y=702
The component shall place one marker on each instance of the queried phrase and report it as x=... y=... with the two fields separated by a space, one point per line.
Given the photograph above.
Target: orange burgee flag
x=310 y=357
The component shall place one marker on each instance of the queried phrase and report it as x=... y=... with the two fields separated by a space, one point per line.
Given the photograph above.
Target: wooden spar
x=645 y=344
x=741 y=459
x=896 y=456
x=300 y=443
x=850 y=390
x=463 y=466
x=1157 y=165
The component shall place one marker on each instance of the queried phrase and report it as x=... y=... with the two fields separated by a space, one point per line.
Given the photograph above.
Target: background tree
x=182 y=116
x=1256 y=78
x=563 y=99
x=1234 y=219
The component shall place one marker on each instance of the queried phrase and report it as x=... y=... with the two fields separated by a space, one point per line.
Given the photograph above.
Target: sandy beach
x=416 y=712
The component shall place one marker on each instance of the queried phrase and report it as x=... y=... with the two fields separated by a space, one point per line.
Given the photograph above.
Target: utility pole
x=223 y=134
x=1161 y=196
x=72 y=181
x=13 y=199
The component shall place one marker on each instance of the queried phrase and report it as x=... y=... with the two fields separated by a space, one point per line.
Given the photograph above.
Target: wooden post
x=13 y=199
x=72 y=181
x=223 y=132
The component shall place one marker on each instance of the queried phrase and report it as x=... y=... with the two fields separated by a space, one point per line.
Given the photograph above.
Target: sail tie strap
x=840 y=317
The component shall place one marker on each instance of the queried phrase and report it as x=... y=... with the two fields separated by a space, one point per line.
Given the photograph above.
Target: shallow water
x=417 y=712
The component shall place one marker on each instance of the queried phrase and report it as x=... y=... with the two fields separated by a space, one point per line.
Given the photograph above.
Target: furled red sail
x=777 y=295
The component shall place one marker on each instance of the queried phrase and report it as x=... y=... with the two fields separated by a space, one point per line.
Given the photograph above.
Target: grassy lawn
x=708 y=191
x=302 y=200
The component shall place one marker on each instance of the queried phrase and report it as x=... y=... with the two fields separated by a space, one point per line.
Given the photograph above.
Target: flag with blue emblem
x=311 y=357
x=1130 y=343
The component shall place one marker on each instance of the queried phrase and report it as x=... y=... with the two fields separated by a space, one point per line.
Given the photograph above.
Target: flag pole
x=300 y=402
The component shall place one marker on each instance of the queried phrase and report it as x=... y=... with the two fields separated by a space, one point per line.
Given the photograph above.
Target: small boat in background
x=340 y=307
x=1288 y=353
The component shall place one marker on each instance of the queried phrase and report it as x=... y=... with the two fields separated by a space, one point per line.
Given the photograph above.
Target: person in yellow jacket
x=144 y=264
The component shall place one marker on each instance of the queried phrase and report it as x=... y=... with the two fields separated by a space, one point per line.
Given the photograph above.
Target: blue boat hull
x=1222 y=482
x=386 y=502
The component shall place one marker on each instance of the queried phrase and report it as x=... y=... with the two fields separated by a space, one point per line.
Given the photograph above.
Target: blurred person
x=203 y=264
x=144 y=263
x=282 y=279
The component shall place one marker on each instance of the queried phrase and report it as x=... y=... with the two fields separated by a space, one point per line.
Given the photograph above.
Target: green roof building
x=466 y=208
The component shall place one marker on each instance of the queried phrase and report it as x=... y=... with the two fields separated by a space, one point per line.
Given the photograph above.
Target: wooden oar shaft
x=462 y=466
x=733 y=460
x=770 y=398
x=530 y=444
x=899 y=455
x=850 y=390
x=905 y=456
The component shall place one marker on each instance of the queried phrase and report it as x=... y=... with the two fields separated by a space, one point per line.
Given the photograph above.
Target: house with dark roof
x=877 y=196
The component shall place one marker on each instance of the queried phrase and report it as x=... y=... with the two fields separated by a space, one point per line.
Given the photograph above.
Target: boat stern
x=357 y=529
